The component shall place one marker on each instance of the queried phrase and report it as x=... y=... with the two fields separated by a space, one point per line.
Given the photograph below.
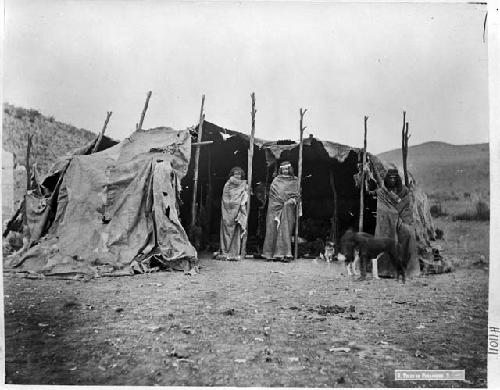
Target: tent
x=111 y=212
x=330 y=190
x=135 y=207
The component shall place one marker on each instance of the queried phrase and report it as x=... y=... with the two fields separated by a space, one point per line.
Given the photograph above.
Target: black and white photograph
x=250 y=194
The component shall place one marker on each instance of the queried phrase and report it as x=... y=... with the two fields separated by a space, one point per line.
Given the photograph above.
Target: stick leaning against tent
x=362 y=184
x=196 y=163
x=138 y=126
x=405 y=136
x=101 y=134
x=299 y=200
x=249 y=175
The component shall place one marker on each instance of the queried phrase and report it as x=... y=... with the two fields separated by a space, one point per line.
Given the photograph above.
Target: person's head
x=286 y=168
x=392 y=179
x=237 y=172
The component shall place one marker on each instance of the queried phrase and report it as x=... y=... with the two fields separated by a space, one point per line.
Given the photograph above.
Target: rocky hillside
x=51 y=139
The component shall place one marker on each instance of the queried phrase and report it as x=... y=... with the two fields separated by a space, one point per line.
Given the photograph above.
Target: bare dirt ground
x=248 y=323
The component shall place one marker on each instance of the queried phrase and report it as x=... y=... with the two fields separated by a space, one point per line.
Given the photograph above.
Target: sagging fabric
x=116 y=208
x=280 y=222
x=233 y=218
x=170 y=237
x=391 y=207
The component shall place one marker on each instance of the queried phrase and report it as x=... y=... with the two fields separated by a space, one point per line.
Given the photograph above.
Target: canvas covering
x=117 y=206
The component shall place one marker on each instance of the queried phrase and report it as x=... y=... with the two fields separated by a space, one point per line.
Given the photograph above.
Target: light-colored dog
x=329 y=252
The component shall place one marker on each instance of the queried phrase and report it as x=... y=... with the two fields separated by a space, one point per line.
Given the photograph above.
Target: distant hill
x=51 y=139
x=445 y=168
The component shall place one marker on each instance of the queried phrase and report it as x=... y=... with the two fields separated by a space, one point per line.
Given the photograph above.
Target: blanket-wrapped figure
x=234 y=215
x=280 y=222
x=395 y=220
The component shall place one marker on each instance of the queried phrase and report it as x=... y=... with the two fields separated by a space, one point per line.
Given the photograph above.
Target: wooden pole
x=208 y=203
x=36 y=178
x=405 y=137
x=28 y=168
x=26 y=231
x=101 y=134
x=403 y=148
x=52 y=201
x=334 y=229
x=139 y=125
x=249 y=175
x=302 y=128
x=12 y=221
x=196 y=163
x=362 y=184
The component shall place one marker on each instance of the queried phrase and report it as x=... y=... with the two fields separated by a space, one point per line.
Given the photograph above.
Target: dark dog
x=370 y=247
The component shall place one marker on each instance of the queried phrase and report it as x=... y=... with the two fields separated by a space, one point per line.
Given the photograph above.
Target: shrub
x=482 y=209
x=19 y=113
x=33 y=114
x=437 y=210
x=478 y=211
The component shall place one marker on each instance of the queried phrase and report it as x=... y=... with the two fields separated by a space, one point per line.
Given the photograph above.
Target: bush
x=437 y=210
x=482 y=210
x=479 y=211
x=33 y=114
x=19 y=113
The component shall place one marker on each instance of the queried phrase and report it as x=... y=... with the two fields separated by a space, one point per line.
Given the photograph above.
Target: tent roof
x=335 y=150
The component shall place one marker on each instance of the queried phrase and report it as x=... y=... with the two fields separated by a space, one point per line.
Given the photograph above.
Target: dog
x=351 y=265
x=371 y=247
x=328 y=253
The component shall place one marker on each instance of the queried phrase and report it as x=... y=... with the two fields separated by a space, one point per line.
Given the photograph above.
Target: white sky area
x=78 y=59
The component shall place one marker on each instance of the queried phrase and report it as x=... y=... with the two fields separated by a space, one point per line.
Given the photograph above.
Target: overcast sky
x=78 y=59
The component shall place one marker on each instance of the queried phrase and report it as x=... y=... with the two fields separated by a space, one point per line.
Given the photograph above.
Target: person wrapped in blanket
x=394 y=220
x=280 y=221
x=234 y=215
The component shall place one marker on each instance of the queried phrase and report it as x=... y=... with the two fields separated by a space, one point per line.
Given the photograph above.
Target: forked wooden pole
x=139 y=125
x=405 y=137
x=249 y=175
x=101 y=134
x=196 y=163
x=362 y=184
x=299 y=201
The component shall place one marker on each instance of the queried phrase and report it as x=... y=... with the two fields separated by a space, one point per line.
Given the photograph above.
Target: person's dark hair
x=393 y=173
x=235 y=169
